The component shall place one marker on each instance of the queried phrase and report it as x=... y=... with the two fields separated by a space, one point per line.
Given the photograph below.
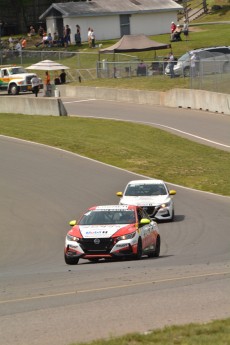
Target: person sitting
x=31 y=32
x=63 y=77
x=175 y=36
x=49 y=40
x=141 y=69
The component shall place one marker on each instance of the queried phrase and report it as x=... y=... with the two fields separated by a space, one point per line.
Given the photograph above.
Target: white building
x=111 y=19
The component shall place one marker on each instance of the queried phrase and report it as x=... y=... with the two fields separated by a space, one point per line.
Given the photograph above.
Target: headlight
x=126 y=237
x=72 y=238
x=166 y=204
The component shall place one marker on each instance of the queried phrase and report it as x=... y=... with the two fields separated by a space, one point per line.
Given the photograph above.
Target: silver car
x=152 y=195
x=208 y=61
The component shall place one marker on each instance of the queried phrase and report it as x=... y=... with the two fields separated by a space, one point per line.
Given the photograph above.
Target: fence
x=211 y=75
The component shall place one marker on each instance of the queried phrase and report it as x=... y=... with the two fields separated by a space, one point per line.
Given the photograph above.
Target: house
x=111 y=19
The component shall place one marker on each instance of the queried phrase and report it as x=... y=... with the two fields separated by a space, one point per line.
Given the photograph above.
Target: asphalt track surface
x=43 y=301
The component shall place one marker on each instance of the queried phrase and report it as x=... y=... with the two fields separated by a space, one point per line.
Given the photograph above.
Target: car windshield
x=17 y=70
x=184 y=57
x=145 y=190
x=96 y=217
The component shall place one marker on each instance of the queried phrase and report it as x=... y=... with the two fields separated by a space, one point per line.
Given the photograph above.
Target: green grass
x=138 y=148
x=213 y=333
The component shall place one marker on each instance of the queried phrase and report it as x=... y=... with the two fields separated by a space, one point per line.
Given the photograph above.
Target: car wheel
x=139 y=250
x=71 y=261
x=14 y=89
x=158 y=247
x=173 y=216
x=186 y=72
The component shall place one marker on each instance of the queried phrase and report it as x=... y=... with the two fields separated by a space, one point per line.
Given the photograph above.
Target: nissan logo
x=96 y=241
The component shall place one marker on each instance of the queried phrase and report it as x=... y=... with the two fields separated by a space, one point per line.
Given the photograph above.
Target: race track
x=45 y=302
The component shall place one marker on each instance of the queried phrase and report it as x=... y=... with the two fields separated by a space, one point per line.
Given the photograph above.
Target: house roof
x=109 y=7
x=134 y=43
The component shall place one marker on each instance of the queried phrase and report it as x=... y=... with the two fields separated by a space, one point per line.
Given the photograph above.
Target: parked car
x=153 y=195
x=112 y=231
x=210 y=60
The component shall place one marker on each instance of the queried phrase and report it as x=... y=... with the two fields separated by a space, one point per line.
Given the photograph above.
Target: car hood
x=144 y=200
x=102 y=231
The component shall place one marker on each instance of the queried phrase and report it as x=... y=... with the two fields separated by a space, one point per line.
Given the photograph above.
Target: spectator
x=141 y=69
x=92 y=36
x=63 y=77
x=35 y=85
x=67 y=33
x=31 y=32
x=49 y=40
x=175 y=36
x=171 y=62
x=89 y=38
x=47 y=83
x=78 y=36
x=24 y=42
x=18 y=48
x=173 y=27
x=185 y=28
x=41 y=31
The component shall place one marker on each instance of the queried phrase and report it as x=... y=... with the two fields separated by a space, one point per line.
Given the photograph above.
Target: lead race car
x=112 y=231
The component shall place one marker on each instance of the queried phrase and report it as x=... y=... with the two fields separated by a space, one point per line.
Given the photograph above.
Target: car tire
x=139 y=250
x=71 y=261
x=14 y=89
x=186 y=72
x=173 y=216
x=158 y=247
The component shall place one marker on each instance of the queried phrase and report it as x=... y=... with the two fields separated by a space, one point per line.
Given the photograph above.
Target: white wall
x=152 y=23
x=105 y=27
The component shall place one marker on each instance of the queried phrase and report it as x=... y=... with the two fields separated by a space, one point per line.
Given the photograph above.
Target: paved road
x=43 y=301
x=204 y=127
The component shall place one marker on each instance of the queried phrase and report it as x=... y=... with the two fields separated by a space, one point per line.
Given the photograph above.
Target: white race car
x=113 y=231
x=150 y=194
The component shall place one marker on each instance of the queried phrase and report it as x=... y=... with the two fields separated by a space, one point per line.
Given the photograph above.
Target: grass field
x=159 y=155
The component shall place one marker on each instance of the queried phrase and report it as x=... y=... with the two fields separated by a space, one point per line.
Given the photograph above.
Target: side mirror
x=72 y=222
x=172 y=192
x=120 y=194
x=145 y=221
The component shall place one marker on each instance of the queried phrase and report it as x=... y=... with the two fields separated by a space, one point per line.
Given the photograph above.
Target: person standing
x=89 y=38
x=78 y=36
x=171 y=62
x=47 y=84
x=93 y=37
x=185 y=28
x=35 y=85
x=24 y=43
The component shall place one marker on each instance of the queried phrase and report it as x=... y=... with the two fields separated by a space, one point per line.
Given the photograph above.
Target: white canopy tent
x=47 y=65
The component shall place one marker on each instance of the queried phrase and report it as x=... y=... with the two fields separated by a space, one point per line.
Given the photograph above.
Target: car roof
x=113 y=208
x=208 y=48
x=150 y=181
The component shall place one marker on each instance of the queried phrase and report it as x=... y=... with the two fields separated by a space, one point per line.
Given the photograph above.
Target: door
x=124 y=24
x=59 y=26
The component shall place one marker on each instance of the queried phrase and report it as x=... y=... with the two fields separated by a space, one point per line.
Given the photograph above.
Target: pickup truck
x=15 y=79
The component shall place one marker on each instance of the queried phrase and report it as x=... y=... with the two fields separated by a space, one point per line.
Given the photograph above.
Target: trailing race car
x=153 y=195
x=112 y=231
